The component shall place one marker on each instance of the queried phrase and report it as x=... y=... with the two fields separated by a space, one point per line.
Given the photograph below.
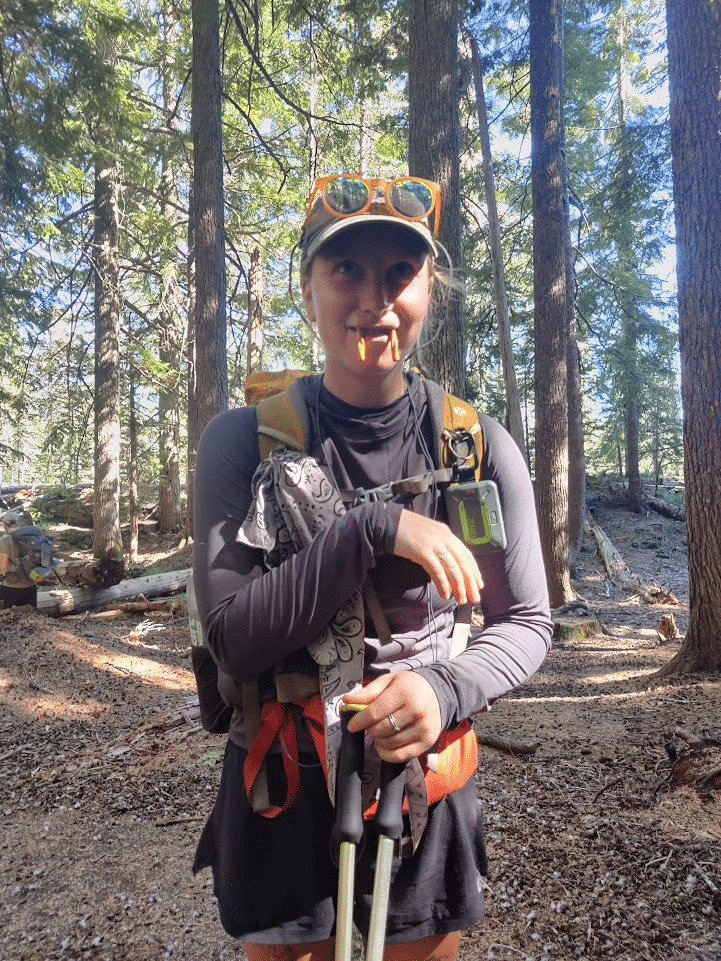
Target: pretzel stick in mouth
x=395 y=349
x=395 y=346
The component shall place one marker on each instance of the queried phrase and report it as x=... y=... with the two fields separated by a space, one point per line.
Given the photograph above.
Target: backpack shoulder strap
x=450 y=414
x=283 y=420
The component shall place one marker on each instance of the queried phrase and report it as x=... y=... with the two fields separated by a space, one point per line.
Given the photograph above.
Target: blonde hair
x=447 y=285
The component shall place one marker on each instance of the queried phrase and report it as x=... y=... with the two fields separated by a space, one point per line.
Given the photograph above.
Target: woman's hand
x=441 y=554
x=402 y=715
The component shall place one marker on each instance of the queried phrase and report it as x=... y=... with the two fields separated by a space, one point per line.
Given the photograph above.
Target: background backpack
x=35 y=553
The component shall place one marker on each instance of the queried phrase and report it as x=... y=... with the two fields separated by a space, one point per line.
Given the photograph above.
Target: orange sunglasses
x=350 y=195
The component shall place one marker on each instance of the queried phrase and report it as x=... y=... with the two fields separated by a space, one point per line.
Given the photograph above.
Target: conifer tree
x=694 y=48
x=550 y=236
x=433 y=152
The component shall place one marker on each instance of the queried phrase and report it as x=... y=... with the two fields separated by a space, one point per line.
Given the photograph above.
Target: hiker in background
x=16 y=588
x=368 y=269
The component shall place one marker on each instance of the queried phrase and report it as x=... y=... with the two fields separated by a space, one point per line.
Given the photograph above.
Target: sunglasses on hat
x=350 y=195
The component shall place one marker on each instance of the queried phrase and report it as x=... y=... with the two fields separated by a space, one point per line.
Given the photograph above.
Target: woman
x=368 y=252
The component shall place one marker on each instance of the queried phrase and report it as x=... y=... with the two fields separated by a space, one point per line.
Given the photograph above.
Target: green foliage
x=619 y=185
x=307 y=92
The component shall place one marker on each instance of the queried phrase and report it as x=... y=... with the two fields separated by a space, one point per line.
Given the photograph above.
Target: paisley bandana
x=293 y=501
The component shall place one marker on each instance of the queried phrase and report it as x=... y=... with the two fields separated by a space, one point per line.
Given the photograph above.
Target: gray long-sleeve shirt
x=256 y=619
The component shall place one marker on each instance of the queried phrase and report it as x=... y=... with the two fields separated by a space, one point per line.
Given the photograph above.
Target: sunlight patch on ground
x=141 y=668
x=633 y=630
x=575 y=698
x=45 y=703
x=614 y=676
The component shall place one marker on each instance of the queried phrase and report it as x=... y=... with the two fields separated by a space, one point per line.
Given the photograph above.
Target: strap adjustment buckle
x=375 y=495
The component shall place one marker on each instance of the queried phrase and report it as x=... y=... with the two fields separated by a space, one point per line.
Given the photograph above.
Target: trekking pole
x=388 y=822
x=348 y=826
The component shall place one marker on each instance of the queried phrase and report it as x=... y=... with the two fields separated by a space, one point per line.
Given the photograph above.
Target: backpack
x=35 y=554
x=283 y=421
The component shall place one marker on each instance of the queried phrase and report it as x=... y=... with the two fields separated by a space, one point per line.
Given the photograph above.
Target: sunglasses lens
x=346 y=195
x=410 y=198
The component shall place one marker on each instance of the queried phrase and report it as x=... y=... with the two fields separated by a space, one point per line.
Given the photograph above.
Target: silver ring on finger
x=442 y=555
x=394 y=724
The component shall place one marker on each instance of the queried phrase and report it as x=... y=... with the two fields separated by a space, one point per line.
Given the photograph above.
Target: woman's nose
x=374 y=294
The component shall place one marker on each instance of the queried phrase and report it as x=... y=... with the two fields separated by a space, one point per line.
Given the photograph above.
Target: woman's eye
x=346 y=266
x=402 y=271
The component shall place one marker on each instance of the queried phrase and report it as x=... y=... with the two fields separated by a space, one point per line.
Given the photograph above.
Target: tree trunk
x=505 y=342
x=635 y=501
x=255 y=313
x=170 y=516
x=106 y=505
x=193 y=431
x=550 y=233
x=169 y=511
x=433 y=145
x=313 y=161
x=133 y=474
x=629 y=356
x=576 y=443
x=576 y=452
x=694 y=61
x=313 y=151
x=211 y=373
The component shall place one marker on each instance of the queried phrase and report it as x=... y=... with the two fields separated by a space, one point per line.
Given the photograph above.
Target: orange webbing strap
x=457 y=754
x=277 y=721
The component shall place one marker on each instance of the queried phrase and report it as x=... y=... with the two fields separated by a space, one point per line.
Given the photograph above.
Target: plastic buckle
x=382 y=494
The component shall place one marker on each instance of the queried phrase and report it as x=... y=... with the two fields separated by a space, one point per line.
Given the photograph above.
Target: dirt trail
x=600 y=845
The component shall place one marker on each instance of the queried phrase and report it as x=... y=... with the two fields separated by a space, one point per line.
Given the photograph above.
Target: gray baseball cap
x=322 y=223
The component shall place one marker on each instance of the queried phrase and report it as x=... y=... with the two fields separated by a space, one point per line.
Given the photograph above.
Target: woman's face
x=366 y=284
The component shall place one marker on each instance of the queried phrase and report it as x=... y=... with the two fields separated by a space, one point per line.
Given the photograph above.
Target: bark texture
x=433 y=153
x=550 y=236
x=211 y=375
x=106 y=507
x=694 y=60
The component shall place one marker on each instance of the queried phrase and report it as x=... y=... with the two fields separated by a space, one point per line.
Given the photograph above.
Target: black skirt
x=276 y=881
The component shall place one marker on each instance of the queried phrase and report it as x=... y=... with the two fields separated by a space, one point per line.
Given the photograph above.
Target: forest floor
x=600 y=845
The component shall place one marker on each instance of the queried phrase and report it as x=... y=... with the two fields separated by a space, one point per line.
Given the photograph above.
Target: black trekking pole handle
x=388 y=820
x=348 y=825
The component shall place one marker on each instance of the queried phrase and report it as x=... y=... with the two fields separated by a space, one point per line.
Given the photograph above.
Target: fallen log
x=668 y=510
x=74 y=600
x=615 y=565
x=145 y=607
x=507 y=744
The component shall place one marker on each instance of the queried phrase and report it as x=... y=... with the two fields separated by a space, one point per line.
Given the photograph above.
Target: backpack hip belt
x=456 y=754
